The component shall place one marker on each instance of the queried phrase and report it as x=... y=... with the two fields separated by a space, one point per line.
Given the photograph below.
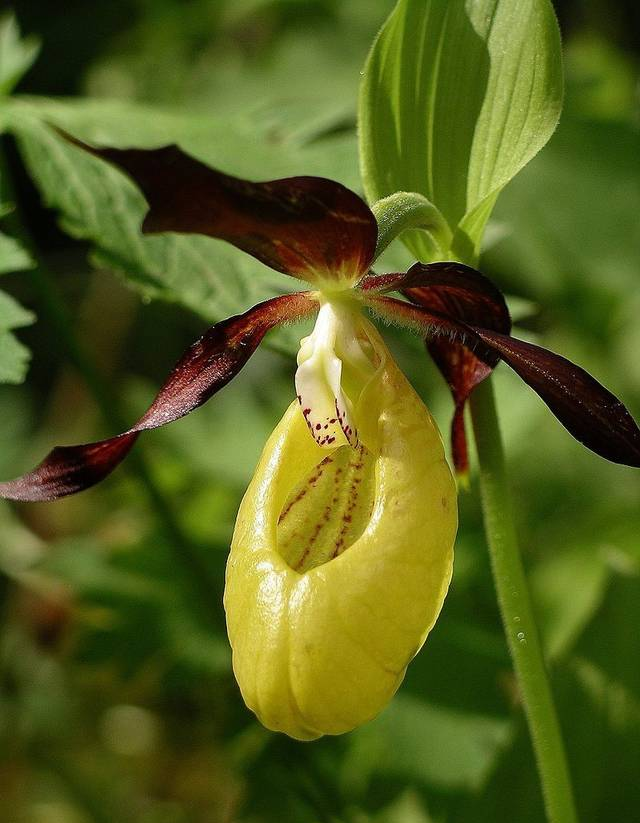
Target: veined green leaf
x=457 y=96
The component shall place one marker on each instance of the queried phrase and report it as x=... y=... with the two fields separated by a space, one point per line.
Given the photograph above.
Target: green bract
x=457 y=97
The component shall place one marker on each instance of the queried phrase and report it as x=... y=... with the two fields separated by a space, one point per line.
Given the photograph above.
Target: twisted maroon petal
x=585 y=408
x=592 y=414
x=206 y=366
x=463 y=293
x=302 y=226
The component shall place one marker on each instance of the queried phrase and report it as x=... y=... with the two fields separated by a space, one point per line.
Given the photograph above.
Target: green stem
x=395 y=214
x=408 y=210
x=517 y=612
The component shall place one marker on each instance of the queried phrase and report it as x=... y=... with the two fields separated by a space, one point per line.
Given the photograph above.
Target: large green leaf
x=457 y=96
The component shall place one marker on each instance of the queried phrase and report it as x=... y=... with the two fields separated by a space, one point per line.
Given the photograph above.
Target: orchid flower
x=342 y=551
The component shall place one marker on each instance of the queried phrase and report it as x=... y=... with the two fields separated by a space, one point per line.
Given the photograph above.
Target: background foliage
x=116 y=696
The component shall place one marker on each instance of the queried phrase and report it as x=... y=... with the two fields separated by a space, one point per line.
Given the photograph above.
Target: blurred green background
x=117 y=702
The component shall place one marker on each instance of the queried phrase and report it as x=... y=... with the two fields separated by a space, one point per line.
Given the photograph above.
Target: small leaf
x=14 y=357
x=12 y=256
x=456 y=98
x=16 y=55
x=12 y=315
x=569 y=588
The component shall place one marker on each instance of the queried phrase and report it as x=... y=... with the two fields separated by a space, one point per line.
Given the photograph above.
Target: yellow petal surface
x=340 y=563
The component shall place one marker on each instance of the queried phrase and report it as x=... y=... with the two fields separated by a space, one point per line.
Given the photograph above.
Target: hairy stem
x=517 y=612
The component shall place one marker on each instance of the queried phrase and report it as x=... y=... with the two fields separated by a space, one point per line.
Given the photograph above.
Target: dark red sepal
x=590 y=412
x=465 y=294
x=585 y=408
x=206 y=366
x=302 y=226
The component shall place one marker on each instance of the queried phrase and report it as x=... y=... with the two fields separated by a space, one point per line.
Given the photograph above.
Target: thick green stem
x=517 y=612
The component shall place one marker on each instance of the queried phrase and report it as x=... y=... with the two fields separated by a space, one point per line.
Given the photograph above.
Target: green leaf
x=569 y=588
x=14 y=357
x=128 y=591
x=563 y=235
x=16 y=55
x=457 y=97
x=12 y=315
x=413 y=740
x=12 y=256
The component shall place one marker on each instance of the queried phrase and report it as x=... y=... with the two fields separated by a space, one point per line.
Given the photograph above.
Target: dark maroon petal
x=448 y=287
x=465 y=294
x=373 y=283
x=70 y=469
x=585 y=408
x=590 y=412
x=206 y=366
x=302 y=226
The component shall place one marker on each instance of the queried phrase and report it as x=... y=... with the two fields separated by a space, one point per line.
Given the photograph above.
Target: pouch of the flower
x=340 y=561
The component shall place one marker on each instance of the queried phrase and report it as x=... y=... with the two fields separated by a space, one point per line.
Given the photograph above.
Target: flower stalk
x=517 y=612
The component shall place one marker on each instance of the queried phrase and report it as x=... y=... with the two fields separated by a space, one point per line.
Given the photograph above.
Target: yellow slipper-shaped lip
x=324 y=614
